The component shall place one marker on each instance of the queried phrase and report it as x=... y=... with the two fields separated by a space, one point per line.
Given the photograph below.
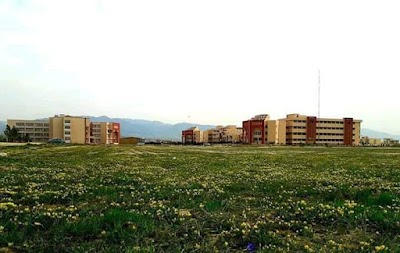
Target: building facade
x=367 y=141
x=302 y=129
x=390 y=142
x=219 y=134
x=192 y=135
x=71 y=129
x=36 y=130
x=298 y=129
x=260 y=130
x=77 y=130
x=104 y=133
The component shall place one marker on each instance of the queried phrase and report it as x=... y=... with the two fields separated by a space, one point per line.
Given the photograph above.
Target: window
x=67 y=132
x=20 y=124
x=67 y=127
x=67 y=121
x=67 y=138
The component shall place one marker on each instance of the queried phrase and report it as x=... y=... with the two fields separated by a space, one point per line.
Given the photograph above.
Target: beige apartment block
x=214 y=135
x=37 y=130
x=302 y=129
x=390 y=142
x=272 y=131
x=104 y=133
x=375 y=142
x=223 y=134
x=77 y=130
x=367 y=141
x=298 y=129
x=71 y=129
x=192 y=135
x=205 y=136
x=260 y=129
x=282 y=132
x=230 y=134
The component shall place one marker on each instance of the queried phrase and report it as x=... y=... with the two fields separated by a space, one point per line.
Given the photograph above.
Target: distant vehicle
x=56 y=140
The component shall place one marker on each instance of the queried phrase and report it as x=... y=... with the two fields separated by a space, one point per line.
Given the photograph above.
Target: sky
x=208 y=62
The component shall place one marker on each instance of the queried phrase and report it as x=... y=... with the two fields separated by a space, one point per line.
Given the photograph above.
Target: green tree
x=15 y=134
x=3 y=138
x=12 y=134
x=7 y=133
x=26 y=138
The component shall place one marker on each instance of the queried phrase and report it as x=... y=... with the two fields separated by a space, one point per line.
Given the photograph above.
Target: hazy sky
x=211 y=62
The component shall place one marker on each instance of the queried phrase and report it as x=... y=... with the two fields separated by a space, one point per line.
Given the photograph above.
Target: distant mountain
x=376 y=134
x=2 y=126
x=159 y=130
x=150 y=129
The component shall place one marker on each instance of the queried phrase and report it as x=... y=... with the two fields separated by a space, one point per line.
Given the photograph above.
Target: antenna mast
x=319 y=92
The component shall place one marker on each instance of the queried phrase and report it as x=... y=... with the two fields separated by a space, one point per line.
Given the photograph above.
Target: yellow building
x=367 y=141
x=192 y=135
x=71 y=129
x=223 y=134
x=37 y=130
x=213 y=135
x=104 y=133
x=301 y=129
x=77 y=130
x=261 y=130
x=390 y=142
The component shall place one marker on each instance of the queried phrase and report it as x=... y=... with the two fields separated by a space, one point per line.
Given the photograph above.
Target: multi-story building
x=192 y=135
x=36 y=130
x=71 y=129
x=213 y=135
x=300 y=129
x=260 y=130
x=367 y=141
x=230 y=134
x=104 y=132
x=390 y=142
x=223 y=134
x=77 y=130
x=219 y=134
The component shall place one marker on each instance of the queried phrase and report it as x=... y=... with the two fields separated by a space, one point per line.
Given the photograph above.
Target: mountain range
x=150 y=129
x=158 y=130
x=2 y=126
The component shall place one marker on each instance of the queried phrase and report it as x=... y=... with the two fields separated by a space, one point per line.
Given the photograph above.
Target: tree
x=15 y=134
x=7 y=133
x=26 y=138
x=3 y=138
x=12 y=134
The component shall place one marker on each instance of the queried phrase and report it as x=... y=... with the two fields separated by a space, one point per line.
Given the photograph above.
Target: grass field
x=199 y=199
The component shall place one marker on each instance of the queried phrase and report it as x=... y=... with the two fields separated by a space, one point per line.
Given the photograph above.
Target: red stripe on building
x=348 y=131
x=311 y=130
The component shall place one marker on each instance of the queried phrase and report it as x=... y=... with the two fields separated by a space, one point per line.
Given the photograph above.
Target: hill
x=2 y=126
x=376 y=134
x=150 y=129
x=158 y=130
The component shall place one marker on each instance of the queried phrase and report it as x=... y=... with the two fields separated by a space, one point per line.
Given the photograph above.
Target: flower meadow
x=199 y=199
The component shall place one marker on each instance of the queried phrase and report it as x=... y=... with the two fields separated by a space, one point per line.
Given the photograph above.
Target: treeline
x=13 y=135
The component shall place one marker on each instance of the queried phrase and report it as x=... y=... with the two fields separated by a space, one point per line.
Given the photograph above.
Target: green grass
x=199 y=199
